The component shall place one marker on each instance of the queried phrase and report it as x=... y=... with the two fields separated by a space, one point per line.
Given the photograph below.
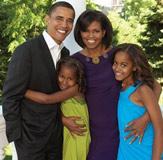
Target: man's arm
x=56 y=97
x=13 y=91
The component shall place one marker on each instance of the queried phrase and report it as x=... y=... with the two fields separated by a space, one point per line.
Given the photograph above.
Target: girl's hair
x=78 y=68
x=143 y=69
x=85 y=19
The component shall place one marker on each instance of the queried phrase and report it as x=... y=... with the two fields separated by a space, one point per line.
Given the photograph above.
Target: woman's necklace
x=95 y=57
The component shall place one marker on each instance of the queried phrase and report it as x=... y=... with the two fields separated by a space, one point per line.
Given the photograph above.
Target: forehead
x=63 y=12
x=94 y=24
x=67 y=69
x=123 y=56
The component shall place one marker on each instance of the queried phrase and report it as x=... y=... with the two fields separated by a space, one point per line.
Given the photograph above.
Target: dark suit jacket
x=31 y=67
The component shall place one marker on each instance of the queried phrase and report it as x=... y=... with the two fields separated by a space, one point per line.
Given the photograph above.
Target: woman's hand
x=136 y=128
x=71 y=124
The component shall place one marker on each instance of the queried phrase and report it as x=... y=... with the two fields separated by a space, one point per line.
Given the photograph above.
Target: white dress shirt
x=54 y=48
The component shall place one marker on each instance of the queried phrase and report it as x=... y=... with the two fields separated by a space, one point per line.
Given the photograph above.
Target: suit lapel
x=47 y=59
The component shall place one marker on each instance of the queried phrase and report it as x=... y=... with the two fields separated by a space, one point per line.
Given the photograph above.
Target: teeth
x=118 y=74
x=91 y=41
x=61 y=31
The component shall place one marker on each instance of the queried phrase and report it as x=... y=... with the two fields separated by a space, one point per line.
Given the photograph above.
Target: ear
x=47 y=19
x=134 y=69
x=103 y=33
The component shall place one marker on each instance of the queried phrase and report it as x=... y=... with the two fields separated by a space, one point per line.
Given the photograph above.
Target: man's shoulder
x=30 y=41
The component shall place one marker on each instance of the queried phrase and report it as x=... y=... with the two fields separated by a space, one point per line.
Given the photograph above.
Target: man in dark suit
x=36 y=129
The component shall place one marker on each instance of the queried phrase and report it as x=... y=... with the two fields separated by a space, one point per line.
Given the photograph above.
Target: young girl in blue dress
x=70 y=73
x=136 y=97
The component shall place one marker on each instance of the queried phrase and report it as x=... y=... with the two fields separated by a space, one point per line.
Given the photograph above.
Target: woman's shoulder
x=76 y=54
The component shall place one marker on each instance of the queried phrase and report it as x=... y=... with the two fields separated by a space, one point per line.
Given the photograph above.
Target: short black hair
x=85 y=19
x=60 y=4
x=78 y=68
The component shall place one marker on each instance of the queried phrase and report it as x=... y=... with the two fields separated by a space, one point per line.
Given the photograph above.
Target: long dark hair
x=78 y=68
x=143 y=70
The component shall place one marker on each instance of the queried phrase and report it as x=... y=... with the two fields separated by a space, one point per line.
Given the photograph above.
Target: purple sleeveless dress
x=102 y=98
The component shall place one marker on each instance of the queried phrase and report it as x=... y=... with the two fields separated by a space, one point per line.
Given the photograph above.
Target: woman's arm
x=56 y=97
x=150 y=101
x=157 y=90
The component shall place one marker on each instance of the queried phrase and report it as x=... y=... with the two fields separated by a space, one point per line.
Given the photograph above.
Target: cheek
x=60 y=80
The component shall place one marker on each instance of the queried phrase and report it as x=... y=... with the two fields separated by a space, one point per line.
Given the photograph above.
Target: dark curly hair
x=78 y=68
x=143 y=69
x=85 y=19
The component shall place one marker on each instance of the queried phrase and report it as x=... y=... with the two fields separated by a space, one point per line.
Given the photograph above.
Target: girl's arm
x=150 y=101
x=56 y=97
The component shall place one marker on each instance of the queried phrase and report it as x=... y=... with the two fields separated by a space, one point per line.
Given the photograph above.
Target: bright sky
x=106 y=3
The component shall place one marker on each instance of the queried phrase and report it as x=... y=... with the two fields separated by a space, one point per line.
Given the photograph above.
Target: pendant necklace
x=95 y=59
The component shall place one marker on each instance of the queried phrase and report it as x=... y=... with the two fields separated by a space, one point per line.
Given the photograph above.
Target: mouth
x=91 y=41
x=61 y=31
x=63 y=87
x=117 y=74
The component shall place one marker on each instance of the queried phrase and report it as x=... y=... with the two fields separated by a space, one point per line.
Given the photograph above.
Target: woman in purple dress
x=93 y=32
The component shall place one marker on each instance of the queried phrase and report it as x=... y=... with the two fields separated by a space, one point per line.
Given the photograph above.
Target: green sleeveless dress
x=76 y=147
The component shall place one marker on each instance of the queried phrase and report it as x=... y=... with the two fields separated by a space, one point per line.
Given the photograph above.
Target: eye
x=96 y=31
x=123 y=65
x=60 y=77
x=70 y=21
x=115 y=63
x=59 y=18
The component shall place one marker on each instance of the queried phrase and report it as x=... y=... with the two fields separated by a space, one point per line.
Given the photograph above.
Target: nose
x=64 y=82
x=64 y=23
x=90 y=34
x=115 y=67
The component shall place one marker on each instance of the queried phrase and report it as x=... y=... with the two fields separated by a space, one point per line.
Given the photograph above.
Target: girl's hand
x=137 y=128
x=71 y=124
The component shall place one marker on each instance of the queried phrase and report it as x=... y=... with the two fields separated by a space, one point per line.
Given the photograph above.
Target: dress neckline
x=90 y=60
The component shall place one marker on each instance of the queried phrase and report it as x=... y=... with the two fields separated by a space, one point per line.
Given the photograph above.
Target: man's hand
x=71 y=123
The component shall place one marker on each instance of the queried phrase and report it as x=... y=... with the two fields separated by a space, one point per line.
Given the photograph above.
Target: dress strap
x=136 y=85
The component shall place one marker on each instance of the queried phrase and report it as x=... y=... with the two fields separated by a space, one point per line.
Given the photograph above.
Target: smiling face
x=60 y=23
x=92 y=37
x=123 y=67
x=66 y=77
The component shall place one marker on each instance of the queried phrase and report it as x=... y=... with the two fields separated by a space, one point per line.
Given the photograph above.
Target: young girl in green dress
x=70 y=74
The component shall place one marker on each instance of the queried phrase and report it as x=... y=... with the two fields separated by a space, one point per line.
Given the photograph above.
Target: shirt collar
x=50 y=41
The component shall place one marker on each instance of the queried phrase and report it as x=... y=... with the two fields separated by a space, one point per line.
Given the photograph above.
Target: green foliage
x=136 y=8
x=124 y=31
x=91 y=5
x=19 y=20
x=152 y=38
x=25 y=20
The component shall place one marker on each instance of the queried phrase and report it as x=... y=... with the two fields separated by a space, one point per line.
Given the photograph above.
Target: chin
x=118 y=79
